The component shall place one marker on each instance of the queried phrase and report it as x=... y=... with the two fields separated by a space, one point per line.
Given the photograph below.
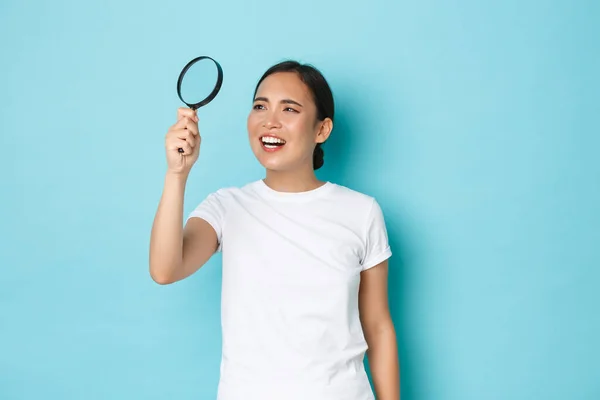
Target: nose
x=271 y=121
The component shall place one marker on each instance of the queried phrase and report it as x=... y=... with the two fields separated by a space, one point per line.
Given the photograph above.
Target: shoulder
x=227 y=193
x=362 y=207
x=353 y=198
x=219 y=201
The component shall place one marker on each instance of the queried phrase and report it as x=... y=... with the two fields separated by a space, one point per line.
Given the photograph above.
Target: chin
x=278 y=161
x=273 y=165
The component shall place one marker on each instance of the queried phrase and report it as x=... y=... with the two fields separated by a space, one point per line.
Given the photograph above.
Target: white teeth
x=269 y=139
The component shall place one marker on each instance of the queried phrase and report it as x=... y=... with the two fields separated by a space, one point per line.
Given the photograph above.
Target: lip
x=268 y=150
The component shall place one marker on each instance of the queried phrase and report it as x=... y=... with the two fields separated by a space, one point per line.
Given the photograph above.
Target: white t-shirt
x=291 y=273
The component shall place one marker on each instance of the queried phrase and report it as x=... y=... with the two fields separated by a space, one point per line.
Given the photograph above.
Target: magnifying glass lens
x=199 y=81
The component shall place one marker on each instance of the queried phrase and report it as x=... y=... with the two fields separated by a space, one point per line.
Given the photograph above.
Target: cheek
x=293 y=124
x=301 y=128
x=251 y=123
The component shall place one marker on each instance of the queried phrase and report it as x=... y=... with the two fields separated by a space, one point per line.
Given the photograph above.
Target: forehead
x=283 y=85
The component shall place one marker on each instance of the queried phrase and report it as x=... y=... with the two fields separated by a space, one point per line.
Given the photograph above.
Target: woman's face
x=282 y=126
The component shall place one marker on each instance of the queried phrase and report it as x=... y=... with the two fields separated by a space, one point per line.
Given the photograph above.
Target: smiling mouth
x=270 y=142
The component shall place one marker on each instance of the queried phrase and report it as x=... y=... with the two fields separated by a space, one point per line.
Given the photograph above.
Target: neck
x=292 y=181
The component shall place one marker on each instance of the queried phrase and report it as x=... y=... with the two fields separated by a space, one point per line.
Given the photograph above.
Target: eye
x=258 y=107
x=290 y=109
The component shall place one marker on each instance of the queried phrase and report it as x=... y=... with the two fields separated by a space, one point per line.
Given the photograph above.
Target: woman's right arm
x=176 y=252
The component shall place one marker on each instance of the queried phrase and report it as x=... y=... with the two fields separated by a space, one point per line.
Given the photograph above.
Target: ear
x=325 y=128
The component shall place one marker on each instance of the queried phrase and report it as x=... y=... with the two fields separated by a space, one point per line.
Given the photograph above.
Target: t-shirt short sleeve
x=212 y=210
x=377 y=248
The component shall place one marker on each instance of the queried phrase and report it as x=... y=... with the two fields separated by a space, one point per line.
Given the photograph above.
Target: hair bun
x=318 y=157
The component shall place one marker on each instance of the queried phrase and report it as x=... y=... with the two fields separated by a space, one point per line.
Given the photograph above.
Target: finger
x=196 y=148
x=186 y=135
x=189 y=137
x=181 y=144
x=185 y=123
x=181 y=123
x=186 y=112
x=193 y=127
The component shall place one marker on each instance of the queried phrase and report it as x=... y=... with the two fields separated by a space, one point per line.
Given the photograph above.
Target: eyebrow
x=284 y=101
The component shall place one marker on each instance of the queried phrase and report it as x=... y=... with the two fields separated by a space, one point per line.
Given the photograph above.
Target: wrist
x=176 y=177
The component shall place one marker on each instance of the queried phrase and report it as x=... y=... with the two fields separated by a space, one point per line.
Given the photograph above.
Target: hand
x=184 y=134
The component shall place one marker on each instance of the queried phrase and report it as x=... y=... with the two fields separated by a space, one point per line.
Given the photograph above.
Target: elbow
x=161 y=280
x=380 y=328
x=161 y=276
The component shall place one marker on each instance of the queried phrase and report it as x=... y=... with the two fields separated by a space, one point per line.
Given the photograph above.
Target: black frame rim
x=213 y=94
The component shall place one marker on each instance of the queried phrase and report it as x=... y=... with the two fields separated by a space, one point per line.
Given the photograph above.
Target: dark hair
x=321 y=92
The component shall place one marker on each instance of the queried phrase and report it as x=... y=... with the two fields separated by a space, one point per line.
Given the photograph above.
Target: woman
x=304 y=261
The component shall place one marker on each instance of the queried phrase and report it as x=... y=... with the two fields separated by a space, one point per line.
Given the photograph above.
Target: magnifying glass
x=199 y=82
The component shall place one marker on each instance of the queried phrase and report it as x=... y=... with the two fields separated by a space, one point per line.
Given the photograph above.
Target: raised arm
x=176 y=252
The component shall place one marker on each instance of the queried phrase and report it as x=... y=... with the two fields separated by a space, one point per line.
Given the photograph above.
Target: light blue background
x=476 y=125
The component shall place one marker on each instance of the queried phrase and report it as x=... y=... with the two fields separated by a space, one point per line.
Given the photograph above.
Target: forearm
x=166 y=241
x=384 y=363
